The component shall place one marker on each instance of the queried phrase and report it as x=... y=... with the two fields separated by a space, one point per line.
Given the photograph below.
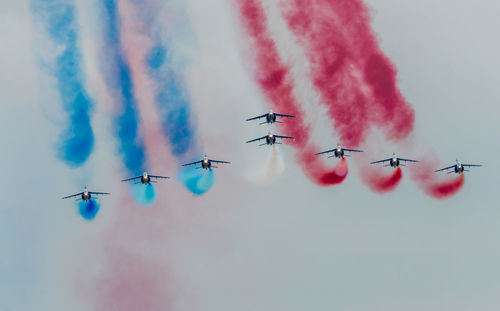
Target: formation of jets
x=271 y=139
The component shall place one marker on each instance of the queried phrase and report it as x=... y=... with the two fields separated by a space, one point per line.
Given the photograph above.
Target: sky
x=284 y=244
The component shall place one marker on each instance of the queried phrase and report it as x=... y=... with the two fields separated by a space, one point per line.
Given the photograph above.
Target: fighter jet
x=339 y=152
x=206 y=163
x=458 y=168
x=145 y=178
x=270 y=139
x=86 y=195
x=271 y=117
x=394 y=161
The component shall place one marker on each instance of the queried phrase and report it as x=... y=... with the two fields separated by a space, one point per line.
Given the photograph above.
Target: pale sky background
x=287 y=246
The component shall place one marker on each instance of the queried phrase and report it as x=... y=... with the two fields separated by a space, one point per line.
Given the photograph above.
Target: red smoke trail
x=275 y=80
x=382 y=183
x=356 y=81
x=337 y=175
x=433 y=184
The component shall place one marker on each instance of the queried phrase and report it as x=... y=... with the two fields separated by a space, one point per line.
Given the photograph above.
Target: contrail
x=57 y=18
x=120 y=85
x=275 y=81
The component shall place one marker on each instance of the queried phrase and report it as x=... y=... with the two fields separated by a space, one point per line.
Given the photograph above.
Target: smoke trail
x=356 y=81
x=271 y=171
x=119 y=81
x=337 y=175
x=88 y=209
x=143 y=195
x=76 y=141
x=433 y=184
x=274 y=79
x=198 y=181
x=380 y=183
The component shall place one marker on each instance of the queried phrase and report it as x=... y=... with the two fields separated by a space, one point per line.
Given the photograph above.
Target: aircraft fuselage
x=394 y=162
x=86 y=196
x=339 y=153
x=206 y=164
x=270 y=118
x=459 y=169
x=270 y=139
x=145 y=180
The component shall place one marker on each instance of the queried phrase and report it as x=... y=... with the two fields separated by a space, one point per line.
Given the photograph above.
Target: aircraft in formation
x=394 y=161
x=86 y=195
x=339 y=152
x=206 y=163
x=145 y=179
x=271 y=117
x=270 y=139
x=458 y=168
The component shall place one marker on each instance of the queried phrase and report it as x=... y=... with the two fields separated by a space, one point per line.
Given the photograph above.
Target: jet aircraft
x=270 y=139
x=271 y=117
x=394 y=161
x=206 y=163
x=339 y=152
x=86 y=195
x=458 y=168
x=145 y=178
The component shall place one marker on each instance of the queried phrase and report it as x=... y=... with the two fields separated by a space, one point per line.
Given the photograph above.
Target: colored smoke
x=338 y=174
x=380 y=183
x=272 y=170
x=198 y=181
x=143 y=194
x=76 y=142
x=120 y=85
x=356 y=81
x=275 y=80
x=88 y=209
x=437 y=185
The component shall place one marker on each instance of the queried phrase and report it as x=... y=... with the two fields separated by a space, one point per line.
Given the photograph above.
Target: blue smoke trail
x=76 y=141
x=173 y=102
x=166 y=65
x=119 y=80
x=88 y=209
x=198 y=181
x=143 y=195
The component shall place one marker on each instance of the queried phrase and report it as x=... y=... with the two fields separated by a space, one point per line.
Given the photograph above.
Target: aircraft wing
x=407 y=160
x=129 y=179
x=287 y=137
x=160 y=177
x=97 y=193
x=472 y=165
x=351 y=150
x=255 y=118
x=256 y=139
x=192 y=163
x=381 y=161
x=284 y=115
x=73 y=195
x=445 y=168
x=217 y=161
x=327 y=151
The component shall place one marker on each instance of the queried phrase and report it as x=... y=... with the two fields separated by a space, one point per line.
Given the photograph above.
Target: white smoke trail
x=271 y=171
